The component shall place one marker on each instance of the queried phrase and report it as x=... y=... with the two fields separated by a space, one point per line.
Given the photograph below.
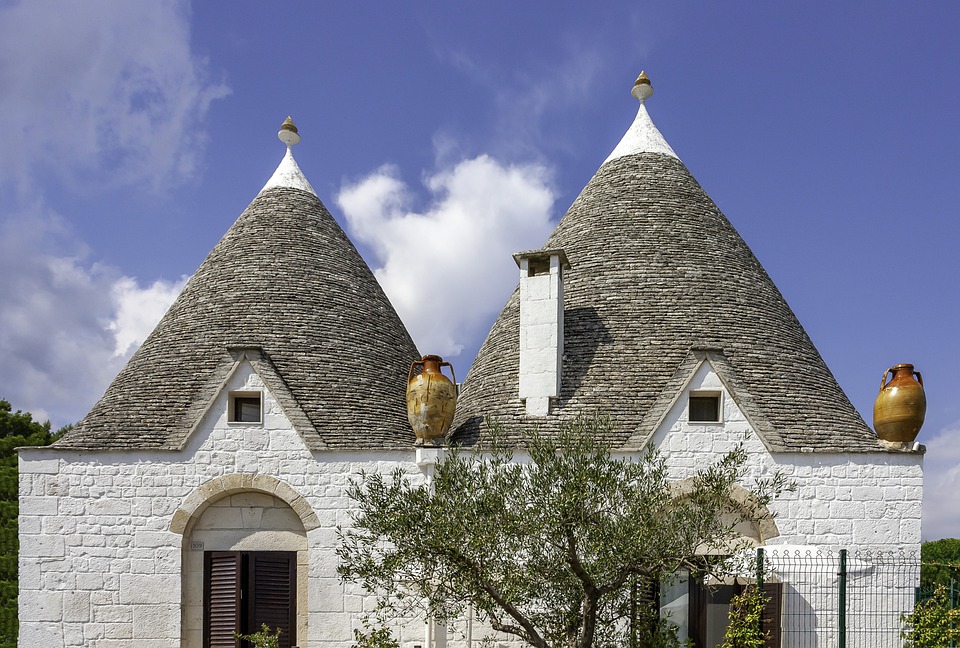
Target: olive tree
x=548 y=545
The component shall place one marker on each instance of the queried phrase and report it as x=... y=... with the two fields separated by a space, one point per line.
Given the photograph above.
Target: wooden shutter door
x=272 y=579
x=771 y=613
x=221 y=599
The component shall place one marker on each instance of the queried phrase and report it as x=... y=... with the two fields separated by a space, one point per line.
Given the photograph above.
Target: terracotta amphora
x=431 y=399
x=900 y=406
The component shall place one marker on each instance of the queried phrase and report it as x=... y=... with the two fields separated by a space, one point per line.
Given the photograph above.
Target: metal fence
x=843 y=599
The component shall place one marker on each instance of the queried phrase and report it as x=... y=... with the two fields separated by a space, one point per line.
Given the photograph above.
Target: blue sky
x=132 y=135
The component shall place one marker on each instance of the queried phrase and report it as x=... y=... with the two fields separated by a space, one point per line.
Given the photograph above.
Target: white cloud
x=98 y=94
x=137 y=310
x=67 y=325
x=941 y=507
x=105 y=90
x=447 y=268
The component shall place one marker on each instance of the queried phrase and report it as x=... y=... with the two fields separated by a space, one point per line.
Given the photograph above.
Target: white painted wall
x=100 y=567
x=858 y=500
x=867 y=502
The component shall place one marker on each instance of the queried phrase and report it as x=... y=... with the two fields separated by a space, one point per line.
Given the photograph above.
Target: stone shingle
x=657 y=271
x=284 y=278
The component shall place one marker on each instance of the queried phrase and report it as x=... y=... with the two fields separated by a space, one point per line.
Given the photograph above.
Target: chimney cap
x=542 y=255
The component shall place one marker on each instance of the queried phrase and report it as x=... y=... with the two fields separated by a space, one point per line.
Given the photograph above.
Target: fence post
x=760 y=583
x=843 y=599
x=952 y=598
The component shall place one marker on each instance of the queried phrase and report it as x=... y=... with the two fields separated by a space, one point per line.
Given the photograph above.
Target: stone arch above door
x=757 y=525
x=206 y=494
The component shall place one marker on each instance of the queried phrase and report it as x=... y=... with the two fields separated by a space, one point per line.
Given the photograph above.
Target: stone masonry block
x=117 y=631
x=535 y=288
x=76 y=606
x=156 y=539
x=41 y=546
x=264 y=483
x=193 y=501
x=539 y=336
x=538 y=384
x=285 y=492
x=40 y=466
x=149 y=589
x=30 y=524
x=178 y=523
x=156 y=621
x=44 y=635
x=311 y=522
x=113 y=614
x=302 y=507
x=252 y=499
x=37 y=505
x=211 y=489
x=109 y=506
x=38 y=605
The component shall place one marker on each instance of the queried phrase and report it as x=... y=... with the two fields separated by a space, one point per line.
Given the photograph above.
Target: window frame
x=704 y=394
x=239 y=398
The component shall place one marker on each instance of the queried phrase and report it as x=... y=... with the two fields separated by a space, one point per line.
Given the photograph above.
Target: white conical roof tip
x=288 y=174
x=642 y=136
x=642 y=88
x=289 y=134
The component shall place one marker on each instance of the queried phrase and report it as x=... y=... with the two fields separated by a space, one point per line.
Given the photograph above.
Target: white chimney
x=541 y=327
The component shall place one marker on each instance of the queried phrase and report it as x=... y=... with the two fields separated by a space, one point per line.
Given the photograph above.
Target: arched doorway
x=244 y=560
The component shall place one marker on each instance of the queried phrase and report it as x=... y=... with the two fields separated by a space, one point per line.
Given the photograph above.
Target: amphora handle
x=884 y=383
x=447 y=364
x=441 y=365
x=883 y=380
x=420 y=362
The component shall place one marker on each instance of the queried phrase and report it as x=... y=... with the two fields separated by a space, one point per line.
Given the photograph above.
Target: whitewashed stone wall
x=100 y=566
x=858 y=500
x=867 y=502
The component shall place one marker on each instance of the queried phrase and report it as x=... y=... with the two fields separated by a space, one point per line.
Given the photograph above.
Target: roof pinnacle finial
x=289 y=134
x=642 y=88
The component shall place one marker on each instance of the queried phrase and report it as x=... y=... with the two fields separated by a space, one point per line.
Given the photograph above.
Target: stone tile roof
x=286 y=284
x=658 y=273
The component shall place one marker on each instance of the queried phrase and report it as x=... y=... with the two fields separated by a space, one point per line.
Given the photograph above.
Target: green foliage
x=941 y=563
x=16 y=429
x=655 y=632
x=746 y=613
x=545 y=550
x=19 y=429
x=374 y=638
x=262 y=638
x=933 y=624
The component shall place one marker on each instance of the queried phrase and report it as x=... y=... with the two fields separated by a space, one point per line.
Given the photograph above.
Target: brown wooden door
x=221 y=598
x=243 y=590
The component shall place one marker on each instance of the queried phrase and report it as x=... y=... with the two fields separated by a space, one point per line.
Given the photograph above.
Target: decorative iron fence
x=844 y=599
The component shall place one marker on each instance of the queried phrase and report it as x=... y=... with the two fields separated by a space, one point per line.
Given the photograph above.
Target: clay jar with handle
x=900 y=406
x=431 y=399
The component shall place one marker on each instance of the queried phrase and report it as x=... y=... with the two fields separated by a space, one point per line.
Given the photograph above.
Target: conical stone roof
x=286 y=287
x=659 y=277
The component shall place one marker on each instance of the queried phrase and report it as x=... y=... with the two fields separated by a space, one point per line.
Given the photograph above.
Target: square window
x=244 y=407
x=704 y=408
